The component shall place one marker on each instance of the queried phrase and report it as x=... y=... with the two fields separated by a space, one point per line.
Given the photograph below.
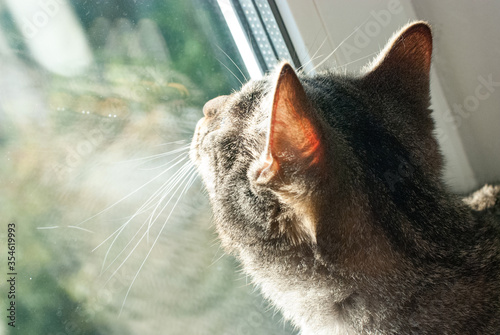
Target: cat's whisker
x=242 y=275
x=161 y=190
x=117 y=232
x=193 y=180
x=232 y=61
x=110 y=236
x=158 y=235
x=104 y=270
x=218 y=259
x=241 y=271
x=227 y=68
x=357 y=60
x=215 y=242
x=160 y=155
x=141 y=209
x=283 y=321
x=144 y=208
x=300 y=70
x=216 y=252
x=167 y=163
x=183 y=172
x=125 y=260
x=165 y=188
x=187 y=131
x=170 y=143
x=156 y=167
x=132 y=193
x=132 y=239
x=269 y=308
x=255 y=288
x=144 y=160
x=137 y=213
x=244 y=286
x=80 y=228
x=338 y=46
x=306 y=51
x=313 y=57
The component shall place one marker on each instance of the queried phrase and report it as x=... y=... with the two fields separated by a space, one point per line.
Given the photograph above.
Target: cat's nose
x=213 y=106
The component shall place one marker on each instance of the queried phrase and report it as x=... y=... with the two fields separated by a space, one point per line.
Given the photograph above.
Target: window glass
x=112 y=229
x=265 y=32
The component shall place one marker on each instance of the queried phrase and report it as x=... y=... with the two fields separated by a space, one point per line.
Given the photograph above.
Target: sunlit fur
x=388 y=249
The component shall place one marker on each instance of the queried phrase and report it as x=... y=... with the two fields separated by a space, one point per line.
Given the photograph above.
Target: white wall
x=467 y=53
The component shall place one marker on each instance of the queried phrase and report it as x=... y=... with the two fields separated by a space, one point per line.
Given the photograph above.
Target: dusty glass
x=113 y=235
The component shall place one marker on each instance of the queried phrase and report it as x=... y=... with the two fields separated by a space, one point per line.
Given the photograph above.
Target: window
x=98 y=101
x=264 y=31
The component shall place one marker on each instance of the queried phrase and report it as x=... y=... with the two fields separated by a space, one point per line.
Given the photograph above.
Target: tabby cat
x=329 y=191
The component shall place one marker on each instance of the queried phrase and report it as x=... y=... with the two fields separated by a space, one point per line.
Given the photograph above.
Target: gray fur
x=387 y=249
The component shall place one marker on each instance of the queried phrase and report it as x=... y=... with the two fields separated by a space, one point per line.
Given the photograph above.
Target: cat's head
x=294 y=160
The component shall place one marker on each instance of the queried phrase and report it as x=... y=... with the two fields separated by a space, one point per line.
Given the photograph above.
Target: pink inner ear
x=293 y=137
x=310 y=138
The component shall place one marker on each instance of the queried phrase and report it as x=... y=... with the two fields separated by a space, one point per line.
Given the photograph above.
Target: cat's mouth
x=207 y=125
x=199 y=156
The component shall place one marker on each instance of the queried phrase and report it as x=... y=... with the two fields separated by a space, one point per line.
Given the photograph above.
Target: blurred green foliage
x=59 y=167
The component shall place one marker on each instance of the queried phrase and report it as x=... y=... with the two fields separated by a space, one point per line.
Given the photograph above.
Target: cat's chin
x=205 y=171
x=194 y=154
x=202 y=162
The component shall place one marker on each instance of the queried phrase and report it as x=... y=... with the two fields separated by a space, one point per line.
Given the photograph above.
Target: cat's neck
x=378 y=281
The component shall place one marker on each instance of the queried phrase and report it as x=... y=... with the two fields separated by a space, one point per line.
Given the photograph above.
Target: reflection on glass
x=98 y=101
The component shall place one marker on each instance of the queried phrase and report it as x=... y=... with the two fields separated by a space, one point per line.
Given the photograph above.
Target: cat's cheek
x=207 y=173
x=195 y=150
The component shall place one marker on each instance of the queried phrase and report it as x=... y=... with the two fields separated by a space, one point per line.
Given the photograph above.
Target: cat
x=328 y=189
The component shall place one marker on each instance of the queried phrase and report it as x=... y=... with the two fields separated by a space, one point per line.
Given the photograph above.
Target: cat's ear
x=294 y=155
x=404 y=65
x=293 y=141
